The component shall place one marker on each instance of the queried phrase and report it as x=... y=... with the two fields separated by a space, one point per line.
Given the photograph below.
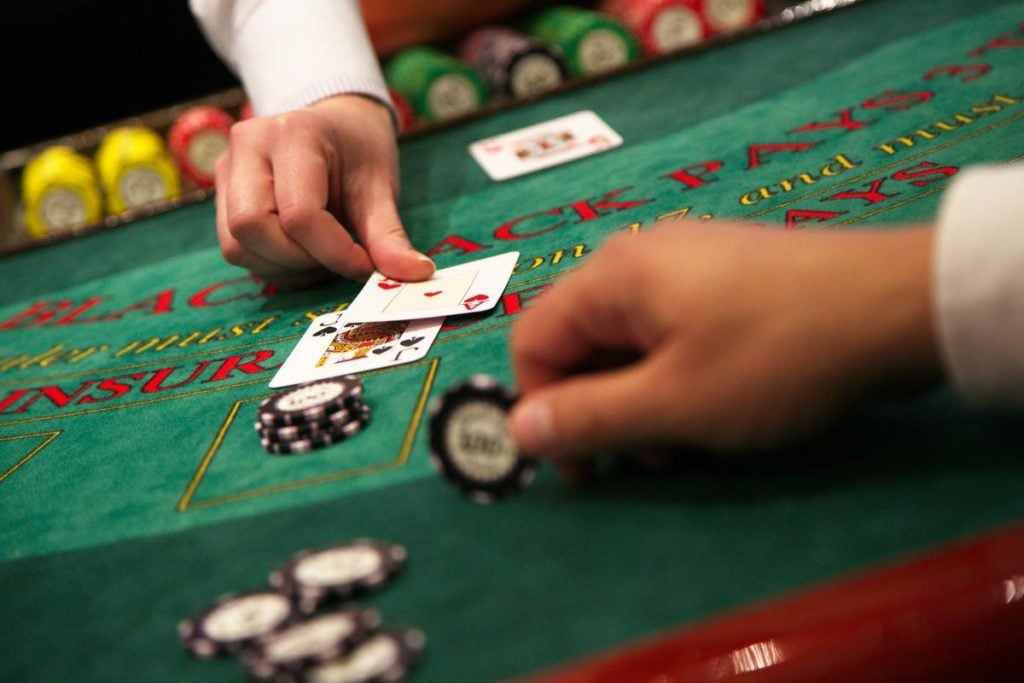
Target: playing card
x=471 y=287
x=332 y=346
x=544 y=145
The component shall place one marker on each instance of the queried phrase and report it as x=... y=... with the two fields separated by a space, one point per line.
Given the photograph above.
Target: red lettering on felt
x=694 y=176
x=514 y=302
x=927 y=171
x=12 y=398
x=39 y=313
x=113 y=386
x=794 y=217
x=872 y=196
x=73 y=315
x=455 y=322
x=162 y=302
x=251 y=366
x=756 y=154
x=846 y=122
x=156 y=382
x=976 y=71
x=55 y=395
x=456 y=243
x=201 y=299
x=588 y=209
x=1004 y=41
x=897 y=101
x=504 y=231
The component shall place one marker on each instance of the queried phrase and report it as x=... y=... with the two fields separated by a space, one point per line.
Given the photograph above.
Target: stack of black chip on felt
x=313 y=415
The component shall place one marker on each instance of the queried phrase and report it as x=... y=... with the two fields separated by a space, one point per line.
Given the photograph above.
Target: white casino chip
x=247 y=617
x=339 y=565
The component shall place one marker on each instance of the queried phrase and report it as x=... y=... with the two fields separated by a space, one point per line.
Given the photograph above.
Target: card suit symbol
x=410 y=341
x=475 y=301
x=599 y=141
x=325 y=331
x=429 y=294
x=492 y=148
x=382 y=349
x=388 y=284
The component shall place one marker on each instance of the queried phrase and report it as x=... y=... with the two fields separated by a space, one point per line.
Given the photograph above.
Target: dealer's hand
x=720 y=337
x=315 y=188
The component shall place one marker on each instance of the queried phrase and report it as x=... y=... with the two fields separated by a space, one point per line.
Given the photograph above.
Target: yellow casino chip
x=136 y=169
x=60 y=191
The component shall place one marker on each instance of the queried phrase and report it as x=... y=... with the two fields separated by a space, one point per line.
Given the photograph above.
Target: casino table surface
x=133 y=490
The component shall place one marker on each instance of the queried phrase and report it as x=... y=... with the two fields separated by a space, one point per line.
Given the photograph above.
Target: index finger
x=578 y=324
x=302 y=178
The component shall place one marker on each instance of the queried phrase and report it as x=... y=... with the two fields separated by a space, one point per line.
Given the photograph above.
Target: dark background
x=75 y=64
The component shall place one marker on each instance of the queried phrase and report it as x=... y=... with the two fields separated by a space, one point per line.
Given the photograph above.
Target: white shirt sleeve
x=291 y=53
x=979 y=285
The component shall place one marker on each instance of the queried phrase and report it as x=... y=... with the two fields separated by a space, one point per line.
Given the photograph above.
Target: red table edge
x=956 y=613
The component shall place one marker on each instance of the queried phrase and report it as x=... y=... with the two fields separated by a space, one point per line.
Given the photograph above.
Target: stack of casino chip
x=135 y=169
x=60 y=192
x=197 y=138
x=307 y=628
x=312 y=415
x=470 y=443
x=592 y=43
x=661 y=25
x=438 y=85
x=514 y=64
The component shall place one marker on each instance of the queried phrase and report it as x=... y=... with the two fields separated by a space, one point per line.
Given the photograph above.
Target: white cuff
x=291 y=54
x=979 y=286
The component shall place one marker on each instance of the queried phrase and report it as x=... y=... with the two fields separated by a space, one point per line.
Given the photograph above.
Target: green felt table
x=133 y=490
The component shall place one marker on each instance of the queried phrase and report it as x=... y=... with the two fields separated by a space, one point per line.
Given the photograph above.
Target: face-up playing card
x=332 y=346
x=544 y=145
x=471 y=287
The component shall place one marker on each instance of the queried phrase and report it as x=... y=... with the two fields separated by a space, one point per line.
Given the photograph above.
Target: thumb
x=381 y=232
x=586 y=414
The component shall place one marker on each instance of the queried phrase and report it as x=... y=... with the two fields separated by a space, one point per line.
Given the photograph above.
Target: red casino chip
x=728 y=16
x=198 y=137
x=404 y=111
x=662 y=26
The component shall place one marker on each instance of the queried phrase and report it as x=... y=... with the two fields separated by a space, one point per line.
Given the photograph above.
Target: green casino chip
x=438 y=85
x=591 y=42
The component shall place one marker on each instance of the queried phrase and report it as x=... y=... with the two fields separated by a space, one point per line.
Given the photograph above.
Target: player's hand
x=720 y=337
x=312 y=189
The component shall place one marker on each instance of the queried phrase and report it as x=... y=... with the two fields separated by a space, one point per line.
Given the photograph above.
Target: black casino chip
x=337 y=421
x=296 y=439
x=514 y=64
x=313 y=577
x=235 y=622
x=385 y=657
x=470 y=443
x=285 y=654
x=310 y=403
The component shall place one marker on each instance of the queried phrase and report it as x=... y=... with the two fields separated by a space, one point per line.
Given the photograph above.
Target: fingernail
x=424 y=259
x=533 y=427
